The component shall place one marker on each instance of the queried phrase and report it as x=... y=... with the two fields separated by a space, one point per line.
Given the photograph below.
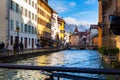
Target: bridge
x=85 y=47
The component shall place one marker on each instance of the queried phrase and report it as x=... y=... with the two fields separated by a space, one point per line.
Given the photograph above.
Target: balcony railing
x=59 y=72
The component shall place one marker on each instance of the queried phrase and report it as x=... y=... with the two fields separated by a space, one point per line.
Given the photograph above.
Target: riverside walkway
x=4 y=53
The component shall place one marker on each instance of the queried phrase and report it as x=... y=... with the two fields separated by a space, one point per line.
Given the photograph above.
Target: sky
x=76 y=11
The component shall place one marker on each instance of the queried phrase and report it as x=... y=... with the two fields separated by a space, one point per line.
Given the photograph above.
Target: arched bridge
x=85 y=47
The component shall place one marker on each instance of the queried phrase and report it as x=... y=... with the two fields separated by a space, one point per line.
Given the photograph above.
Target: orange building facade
x=100 y=24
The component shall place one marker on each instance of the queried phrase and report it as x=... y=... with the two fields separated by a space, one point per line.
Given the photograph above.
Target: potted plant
x=102 y=50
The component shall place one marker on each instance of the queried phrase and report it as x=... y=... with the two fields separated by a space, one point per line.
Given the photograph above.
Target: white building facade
x=55 y=26
x=67 y=37
x=20 y=14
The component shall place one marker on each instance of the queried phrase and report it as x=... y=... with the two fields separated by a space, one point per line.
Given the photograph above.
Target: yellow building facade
x=61 y=28
x=44 y=21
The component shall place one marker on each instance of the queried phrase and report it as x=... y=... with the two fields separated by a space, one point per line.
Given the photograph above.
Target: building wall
x=95 y=41
x=55 y=27
x=23 y=14
x=100 y=21
x=111 y=40
x=108 y=40
x=3 y=21
x=74 y=40
x=44 y=18
x=61 y=34
x=27 y=22
x=67 y=37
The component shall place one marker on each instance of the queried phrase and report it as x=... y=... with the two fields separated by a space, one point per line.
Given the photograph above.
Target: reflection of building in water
x=53 y=59
x=28 y=75
x=42 y=60
x=57 y=59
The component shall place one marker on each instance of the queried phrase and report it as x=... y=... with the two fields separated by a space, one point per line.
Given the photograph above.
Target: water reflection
x=68 y=58
x=50 y=60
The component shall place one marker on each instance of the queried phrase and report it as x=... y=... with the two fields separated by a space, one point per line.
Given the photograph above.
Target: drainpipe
x=8 y=18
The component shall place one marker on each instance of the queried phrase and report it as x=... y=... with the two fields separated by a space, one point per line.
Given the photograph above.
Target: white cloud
x=72 y=4
x=59 y=6
x=90 y=17
x=90 y=1
x=71 y=20
x=60 y=9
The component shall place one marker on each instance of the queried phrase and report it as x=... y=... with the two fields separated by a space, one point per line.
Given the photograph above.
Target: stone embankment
x=10 y=57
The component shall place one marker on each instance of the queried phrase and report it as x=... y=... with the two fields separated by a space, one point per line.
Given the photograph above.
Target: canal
x=67 y=58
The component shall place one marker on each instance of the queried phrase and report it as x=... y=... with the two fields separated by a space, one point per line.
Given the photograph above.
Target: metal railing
x=60 y=72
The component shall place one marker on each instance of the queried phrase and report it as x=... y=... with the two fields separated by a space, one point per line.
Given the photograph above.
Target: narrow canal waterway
x=69 y=58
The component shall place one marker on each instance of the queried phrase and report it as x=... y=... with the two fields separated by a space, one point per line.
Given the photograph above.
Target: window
x=32 y=29
x=35 y=17
x=17 y=24
x=32 y=3
x=25 y=27
x=29 y=30
x=29 y=41
x=17 y=8
x=35 y=6
x=26 y=12
x=32 y=16
x=25 y=0
x=21 y=27
x=60 y=24
x=62 y=31
x=11 y=24
x=29 y=14
x=21 y=10
x=12 y=5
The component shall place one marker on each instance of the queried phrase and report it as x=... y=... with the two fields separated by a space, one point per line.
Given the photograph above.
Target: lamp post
x=17 y=29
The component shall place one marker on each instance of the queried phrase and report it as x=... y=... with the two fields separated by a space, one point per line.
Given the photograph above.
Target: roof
x=47 y=5
x=61 y=19
x=54 y=11
x=93 y=26
x=76 y=30
x=79 y=33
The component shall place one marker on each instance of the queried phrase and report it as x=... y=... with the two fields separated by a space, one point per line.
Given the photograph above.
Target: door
x=32 y=43
x=25 y=40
